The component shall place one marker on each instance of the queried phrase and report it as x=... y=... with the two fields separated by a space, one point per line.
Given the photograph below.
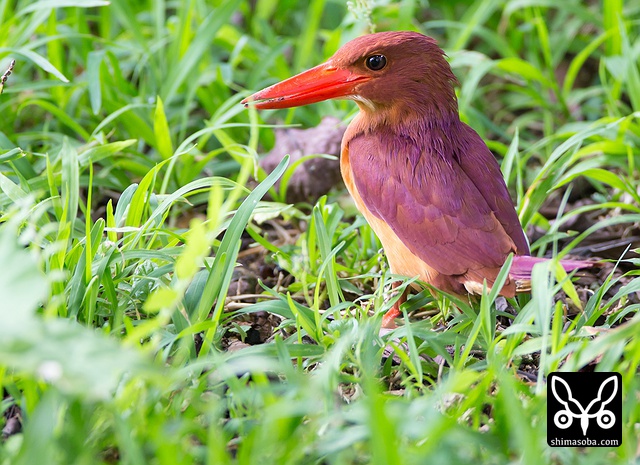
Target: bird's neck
x=415 y=123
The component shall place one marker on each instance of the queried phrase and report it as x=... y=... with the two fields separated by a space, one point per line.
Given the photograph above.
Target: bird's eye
x=376 y=62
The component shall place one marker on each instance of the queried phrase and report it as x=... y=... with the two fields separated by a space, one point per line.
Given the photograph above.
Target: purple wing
x=477 y=161
x=453 y=220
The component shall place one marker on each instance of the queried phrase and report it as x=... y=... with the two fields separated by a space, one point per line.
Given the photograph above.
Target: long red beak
x=323 y=82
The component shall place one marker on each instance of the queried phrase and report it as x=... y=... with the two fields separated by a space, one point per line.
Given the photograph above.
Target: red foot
x=388 y=320
x=389 y=317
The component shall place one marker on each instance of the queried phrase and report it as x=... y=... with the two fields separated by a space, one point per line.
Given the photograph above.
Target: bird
x=425 y=181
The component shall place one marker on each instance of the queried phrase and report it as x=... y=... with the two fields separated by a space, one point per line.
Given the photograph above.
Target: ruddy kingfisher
x=425 y=181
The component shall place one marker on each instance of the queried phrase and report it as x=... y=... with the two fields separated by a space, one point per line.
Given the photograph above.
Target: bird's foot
x=388 y=320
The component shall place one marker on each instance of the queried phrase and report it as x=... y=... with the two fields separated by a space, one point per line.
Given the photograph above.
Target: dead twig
x=7 y=73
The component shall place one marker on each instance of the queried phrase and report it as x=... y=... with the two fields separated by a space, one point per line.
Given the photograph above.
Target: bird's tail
x=523 y=264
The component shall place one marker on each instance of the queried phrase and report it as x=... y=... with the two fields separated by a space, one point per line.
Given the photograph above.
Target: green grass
x=125 y=158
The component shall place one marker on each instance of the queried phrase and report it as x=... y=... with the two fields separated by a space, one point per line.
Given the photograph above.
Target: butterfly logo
x=574 y=409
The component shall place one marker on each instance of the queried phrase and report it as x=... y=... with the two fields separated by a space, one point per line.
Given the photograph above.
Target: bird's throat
x=404 y=122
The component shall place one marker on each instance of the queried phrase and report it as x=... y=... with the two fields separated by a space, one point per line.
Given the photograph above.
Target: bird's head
x=398 y=72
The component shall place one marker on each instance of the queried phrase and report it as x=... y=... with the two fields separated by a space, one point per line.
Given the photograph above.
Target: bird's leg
x=394 y=312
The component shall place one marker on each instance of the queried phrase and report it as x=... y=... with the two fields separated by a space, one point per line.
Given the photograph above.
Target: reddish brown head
x=388 y=72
